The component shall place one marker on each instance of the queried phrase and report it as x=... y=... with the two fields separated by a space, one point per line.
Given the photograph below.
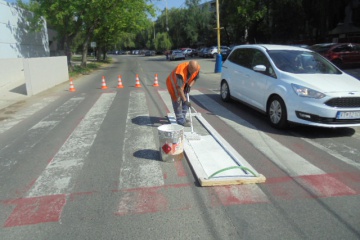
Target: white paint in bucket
x=171 y=139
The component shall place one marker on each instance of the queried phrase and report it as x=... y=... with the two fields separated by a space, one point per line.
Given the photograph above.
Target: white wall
x=25 y=55
x=11 y=70
x=44 y=73
x=39 y=74
x=16 y=41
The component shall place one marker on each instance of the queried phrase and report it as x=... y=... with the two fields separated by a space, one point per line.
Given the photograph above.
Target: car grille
x=346 y=102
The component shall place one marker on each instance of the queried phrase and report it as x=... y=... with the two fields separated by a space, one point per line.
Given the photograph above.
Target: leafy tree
x=288 y=20
x=103 y=20
x=187 y=27
x=162 y=42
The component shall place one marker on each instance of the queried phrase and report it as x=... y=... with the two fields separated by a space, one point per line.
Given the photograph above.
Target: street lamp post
x=166 y=16
x=218 y=63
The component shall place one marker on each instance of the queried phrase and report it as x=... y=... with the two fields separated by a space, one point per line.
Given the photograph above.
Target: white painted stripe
x=333 y=153
x=141 y=166
x=18 y=117
x=356 y=136
x=53 y=119
x=69 y=160
x=34 y=134
x=286 y=159
x=167 y=100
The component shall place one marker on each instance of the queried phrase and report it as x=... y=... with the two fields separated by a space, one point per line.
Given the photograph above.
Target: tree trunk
x=98 y=54
x=104 y=54
x=89 y=34
x=68 y=53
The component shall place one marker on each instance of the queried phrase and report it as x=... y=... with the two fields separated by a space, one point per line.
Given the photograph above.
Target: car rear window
x=242 y=57
x=302 y=62
x=321 y=48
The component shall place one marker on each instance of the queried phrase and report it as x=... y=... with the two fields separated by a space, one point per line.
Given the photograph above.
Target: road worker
x=179 y=83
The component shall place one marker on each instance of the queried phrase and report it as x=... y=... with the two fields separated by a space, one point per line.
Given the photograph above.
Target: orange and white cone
x=72 y=87
x=137 y=84
x=156 y=83
x=120 y=85
x=103 y=83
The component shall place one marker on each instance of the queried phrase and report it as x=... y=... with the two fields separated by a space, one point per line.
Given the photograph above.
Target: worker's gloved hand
x=188 y=103
x=187 y=88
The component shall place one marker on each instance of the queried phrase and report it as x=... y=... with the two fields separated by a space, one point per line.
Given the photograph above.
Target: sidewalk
x=12 y=93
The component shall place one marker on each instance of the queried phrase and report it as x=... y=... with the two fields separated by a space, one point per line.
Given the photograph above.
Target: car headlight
x=307 y=92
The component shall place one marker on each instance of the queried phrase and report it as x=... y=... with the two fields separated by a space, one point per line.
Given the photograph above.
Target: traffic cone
x=103 y=83
x=72 y=88
x=156 y=83
x=120 y=82
x=137 y=84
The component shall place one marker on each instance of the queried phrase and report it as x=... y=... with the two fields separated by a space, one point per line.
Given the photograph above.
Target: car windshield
x=302 y=62
x=321 y=48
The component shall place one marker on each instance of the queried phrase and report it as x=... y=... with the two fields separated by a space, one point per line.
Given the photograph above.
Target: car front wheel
x=225 y=91
x=277 y=113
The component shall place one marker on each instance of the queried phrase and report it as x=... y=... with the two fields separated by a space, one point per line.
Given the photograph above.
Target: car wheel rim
x=224 y=90
x=275 y=112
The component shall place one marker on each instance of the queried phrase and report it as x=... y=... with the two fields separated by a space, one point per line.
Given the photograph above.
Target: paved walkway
x=12 y=93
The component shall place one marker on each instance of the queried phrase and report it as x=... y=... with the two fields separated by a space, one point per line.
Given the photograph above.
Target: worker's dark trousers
x=180 y=110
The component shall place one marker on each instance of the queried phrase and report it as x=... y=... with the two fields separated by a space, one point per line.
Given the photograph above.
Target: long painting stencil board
x=211 y=154
x=207 y=155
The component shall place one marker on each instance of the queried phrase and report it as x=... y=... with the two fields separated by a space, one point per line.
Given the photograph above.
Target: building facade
x=16 y=39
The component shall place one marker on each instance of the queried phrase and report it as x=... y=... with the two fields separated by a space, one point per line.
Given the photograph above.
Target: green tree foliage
x=162 y=42
x=188 y=27
x=92 y=20
x=115 y=24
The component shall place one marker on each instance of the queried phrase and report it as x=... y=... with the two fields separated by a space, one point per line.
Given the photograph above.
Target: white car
x=291 y=84
x=177 y=54
x=187 y=51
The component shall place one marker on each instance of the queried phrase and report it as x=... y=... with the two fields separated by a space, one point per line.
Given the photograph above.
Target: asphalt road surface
x=85 y=165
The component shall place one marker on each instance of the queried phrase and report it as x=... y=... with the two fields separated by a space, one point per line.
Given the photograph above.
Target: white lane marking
x=333 y=153
x=18 y=117
x=167 y=100
x=356 y=136
x=140 y=166
x=35 y=133
x=251 y=192
x=69 y=160
x=286 y=159
x=52 y=120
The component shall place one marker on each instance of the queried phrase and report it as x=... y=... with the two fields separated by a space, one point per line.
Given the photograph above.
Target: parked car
x=225 y=53
x=150 y=53
x=341 y=54
x=177 y=54
x=212 y=51
x=193 y=53
x=187 y=51
x=202 y=52
x=291 y=84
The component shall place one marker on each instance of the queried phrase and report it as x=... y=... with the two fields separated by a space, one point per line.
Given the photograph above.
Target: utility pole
x=218 y=63
x=166 y=16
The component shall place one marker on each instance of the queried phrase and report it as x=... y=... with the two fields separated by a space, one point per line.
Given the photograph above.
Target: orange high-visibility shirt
x=171 y=81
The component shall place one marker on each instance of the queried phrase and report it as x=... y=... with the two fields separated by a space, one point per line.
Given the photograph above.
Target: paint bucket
x=171 y=142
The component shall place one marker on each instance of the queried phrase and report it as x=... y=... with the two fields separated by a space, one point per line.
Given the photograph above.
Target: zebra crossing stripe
x=296 y=166
x=275 y=151
x=9 y=123
x=34 y=134
x=56 y=178
x=139 y=150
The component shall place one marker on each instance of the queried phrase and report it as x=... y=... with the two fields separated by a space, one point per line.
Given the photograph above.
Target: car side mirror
x=259 y=68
